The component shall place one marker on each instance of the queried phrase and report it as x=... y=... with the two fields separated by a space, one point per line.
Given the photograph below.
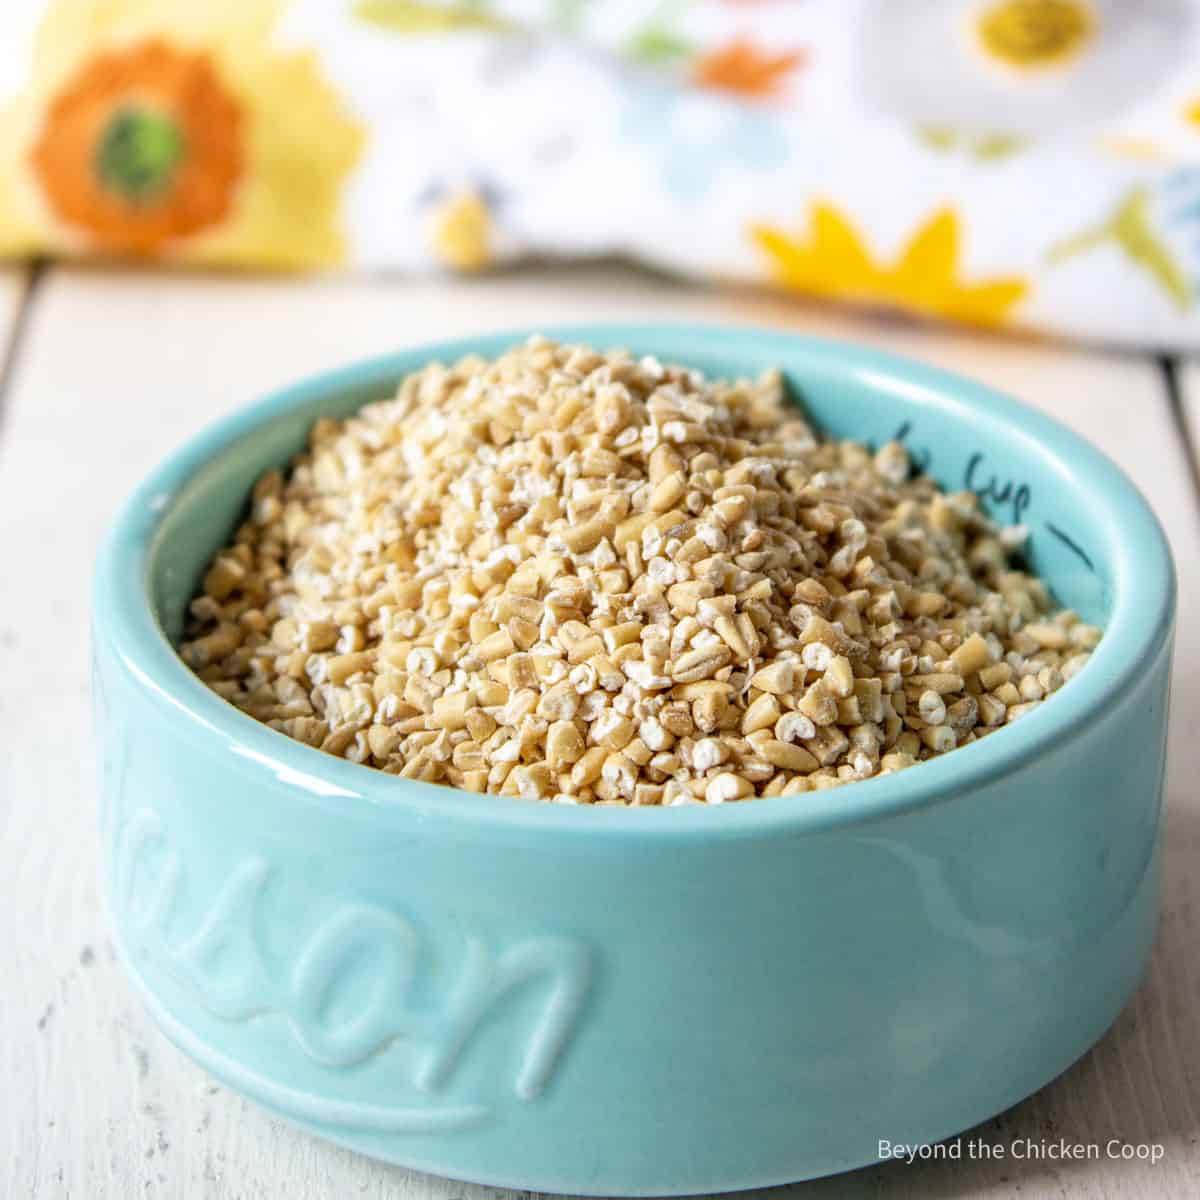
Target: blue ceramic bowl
x=642 y=1001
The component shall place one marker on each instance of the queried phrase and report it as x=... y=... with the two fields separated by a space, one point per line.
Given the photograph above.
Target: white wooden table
x=105 y=372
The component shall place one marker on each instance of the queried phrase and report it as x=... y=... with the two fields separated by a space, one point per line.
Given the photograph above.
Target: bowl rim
x=1140 y=624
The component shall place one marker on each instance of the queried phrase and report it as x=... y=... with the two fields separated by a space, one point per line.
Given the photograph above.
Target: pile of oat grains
x=572 y=576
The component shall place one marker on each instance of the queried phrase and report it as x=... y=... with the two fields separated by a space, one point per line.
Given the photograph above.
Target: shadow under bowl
x=631 y=1002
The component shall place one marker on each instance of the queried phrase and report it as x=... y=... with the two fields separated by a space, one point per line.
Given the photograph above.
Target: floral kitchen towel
x=1024 y=163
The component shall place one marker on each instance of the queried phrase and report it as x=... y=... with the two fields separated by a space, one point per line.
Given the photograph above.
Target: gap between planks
x=18 y=287
x=1183 y=380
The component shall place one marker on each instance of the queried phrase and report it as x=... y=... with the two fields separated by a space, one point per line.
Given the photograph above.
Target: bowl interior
x=1027 y=469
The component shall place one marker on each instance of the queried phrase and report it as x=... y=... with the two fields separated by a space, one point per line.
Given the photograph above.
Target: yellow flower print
x=461 y=232
x=1031 y=34
x=833 y=261
x=175 y=130
x=1191 y=113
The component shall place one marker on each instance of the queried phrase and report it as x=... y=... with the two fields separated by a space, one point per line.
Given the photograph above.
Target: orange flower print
x=742 y=68
x=141 y=146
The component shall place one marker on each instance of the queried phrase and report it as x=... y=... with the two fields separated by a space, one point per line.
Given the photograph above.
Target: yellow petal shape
x=789 y=260
x=834 y=260
x=840 y=260
x=987 y=303
x=930 y=260
x=461 y=232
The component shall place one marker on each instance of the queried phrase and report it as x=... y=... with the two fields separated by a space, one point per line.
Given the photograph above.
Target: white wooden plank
x=118 y=368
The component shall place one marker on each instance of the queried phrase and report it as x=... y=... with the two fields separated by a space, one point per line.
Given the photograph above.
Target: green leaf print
x=411 y=17
x=1129 y=227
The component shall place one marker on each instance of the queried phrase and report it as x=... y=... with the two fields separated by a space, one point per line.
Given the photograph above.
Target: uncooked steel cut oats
x=574 y=576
